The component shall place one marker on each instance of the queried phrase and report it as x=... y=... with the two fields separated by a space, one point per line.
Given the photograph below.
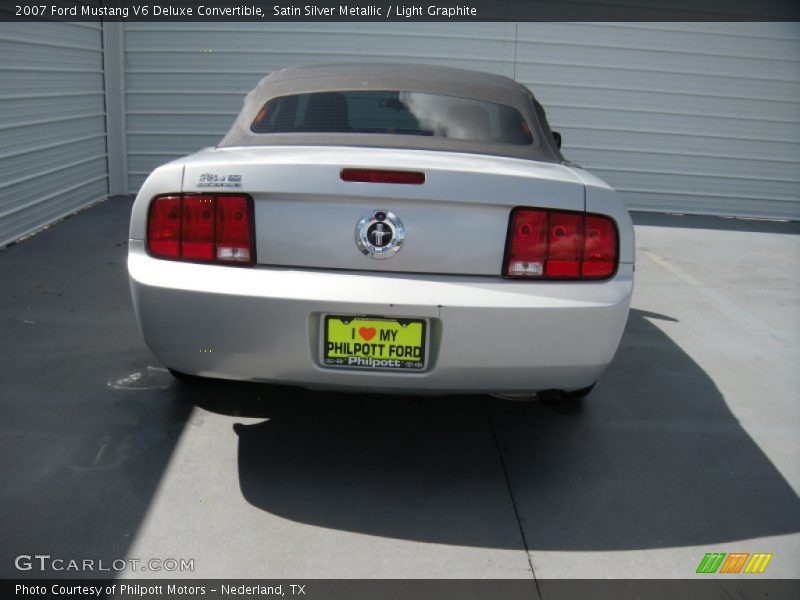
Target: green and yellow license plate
x=373 y=343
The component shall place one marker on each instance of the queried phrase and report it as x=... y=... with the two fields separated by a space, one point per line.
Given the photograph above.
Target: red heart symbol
x=367 y=333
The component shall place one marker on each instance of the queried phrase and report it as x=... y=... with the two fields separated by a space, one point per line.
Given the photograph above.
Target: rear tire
x=521 y=397
x=550 y=397
x=572 y=402
x=577 y=394
x=182 y=376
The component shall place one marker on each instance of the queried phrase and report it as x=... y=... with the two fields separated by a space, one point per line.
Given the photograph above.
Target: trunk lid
x=455 y=223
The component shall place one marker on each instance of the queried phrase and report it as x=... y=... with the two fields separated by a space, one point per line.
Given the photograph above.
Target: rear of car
x=313 y=248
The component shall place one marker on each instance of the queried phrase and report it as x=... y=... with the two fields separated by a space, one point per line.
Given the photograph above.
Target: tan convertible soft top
x=401 y=77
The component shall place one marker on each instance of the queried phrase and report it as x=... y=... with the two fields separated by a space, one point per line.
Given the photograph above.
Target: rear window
x=395 y=113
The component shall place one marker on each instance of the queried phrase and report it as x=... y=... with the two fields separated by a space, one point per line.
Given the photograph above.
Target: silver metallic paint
x=486 y=334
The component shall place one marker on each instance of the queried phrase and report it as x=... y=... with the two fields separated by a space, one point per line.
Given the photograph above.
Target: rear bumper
x=486 y=334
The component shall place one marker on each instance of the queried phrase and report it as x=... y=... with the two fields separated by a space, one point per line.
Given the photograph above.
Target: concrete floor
x=689 y=444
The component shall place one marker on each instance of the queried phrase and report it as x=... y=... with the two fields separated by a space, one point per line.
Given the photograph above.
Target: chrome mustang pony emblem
x=380 y=234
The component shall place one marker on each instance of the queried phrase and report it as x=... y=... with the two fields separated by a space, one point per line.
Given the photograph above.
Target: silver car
x=404 y=228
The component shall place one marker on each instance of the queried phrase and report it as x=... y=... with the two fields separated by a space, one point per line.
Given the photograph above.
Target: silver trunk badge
x=380 y=234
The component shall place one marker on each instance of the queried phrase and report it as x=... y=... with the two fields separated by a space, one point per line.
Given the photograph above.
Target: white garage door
x=690 y=117
x=52 y=123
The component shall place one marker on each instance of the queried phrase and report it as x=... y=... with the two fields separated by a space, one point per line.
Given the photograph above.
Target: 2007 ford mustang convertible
x=389 y=227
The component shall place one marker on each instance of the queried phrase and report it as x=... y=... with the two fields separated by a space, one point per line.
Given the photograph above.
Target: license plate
x=374 y=343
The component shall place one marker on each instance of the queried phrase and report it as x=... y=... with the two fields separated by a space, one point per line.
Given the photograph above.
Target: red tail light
x=600 y=247
x=164 y=226
x=565 y=244
x=202 y=228
x=233 y=238
x=558 y=244
x=197 y=228
x=383 y=176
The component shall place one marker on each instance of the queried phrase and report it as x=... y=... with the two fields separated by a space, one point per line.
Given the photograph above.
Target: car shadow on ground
x=654 y=458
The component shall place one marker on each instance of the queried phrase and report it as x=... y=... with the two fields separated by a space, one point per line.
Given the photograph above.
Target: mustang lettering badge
x=380 y=234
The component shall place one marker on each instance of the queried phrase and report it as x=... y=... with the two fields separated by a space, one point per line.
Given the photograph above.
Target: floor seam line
x=511 y=495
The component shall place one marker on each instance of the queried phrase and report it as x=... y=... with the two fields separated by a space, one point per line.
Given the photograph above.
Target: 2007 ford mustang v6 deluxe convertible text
x=405 y=228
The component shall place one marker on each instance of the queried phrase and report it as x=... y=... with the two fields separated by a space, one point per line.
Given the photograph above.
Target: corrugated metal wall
x=52 y=123
x=690 y=117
